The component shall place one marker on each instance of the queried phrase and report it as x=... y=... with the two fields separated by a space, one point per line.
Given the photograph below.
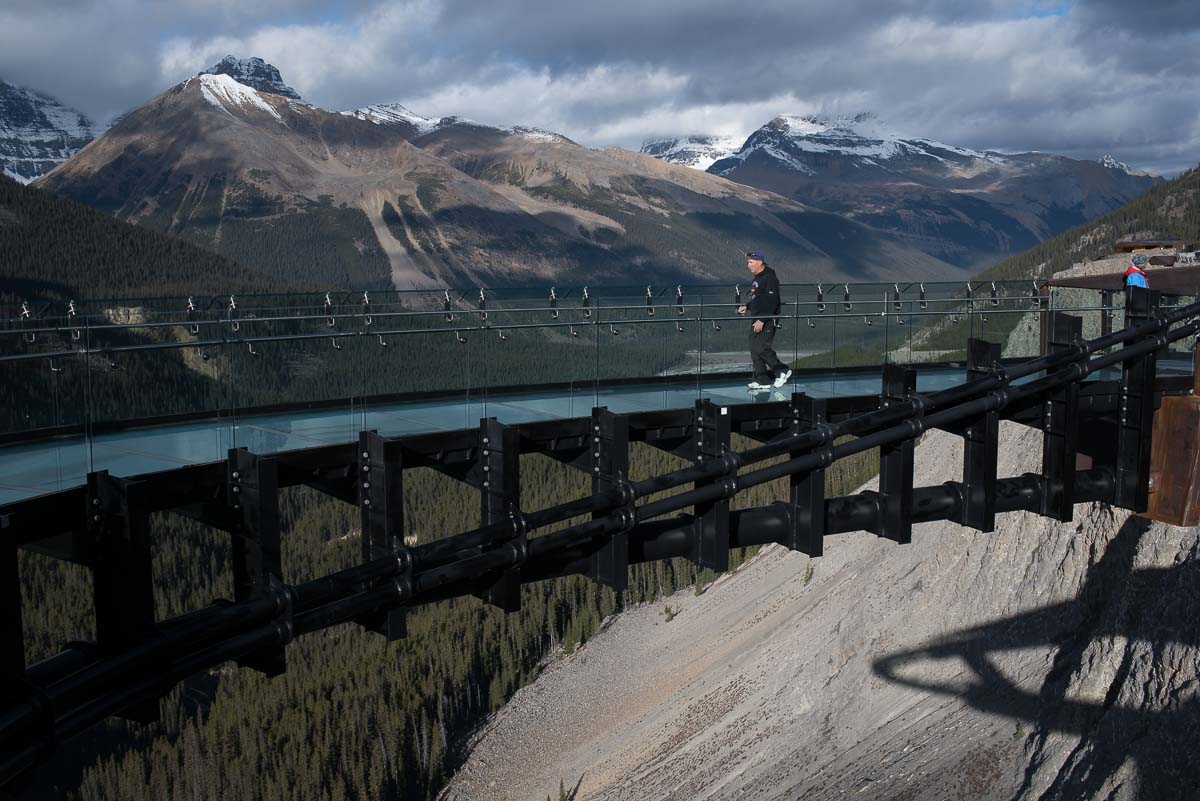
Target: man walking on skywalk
x=763 y=308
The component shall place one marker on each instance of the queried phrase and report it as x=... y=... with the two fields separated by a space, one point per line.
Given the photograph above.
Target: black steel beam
x=896 y=460
x=981 y=441
x=499 y=481
x=1136 y=414
x=253 y=499
x=610 y=471
x=122 y=575
x=1061 y=426
x=806 y=490
x=711 y=527
x=380 y=493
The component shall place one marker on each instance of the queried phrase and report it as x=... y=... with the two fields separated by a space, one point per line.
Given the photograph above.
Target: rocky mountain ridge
x=255 y=73
x=966 y=206
x=383 y=196
x=37 y=133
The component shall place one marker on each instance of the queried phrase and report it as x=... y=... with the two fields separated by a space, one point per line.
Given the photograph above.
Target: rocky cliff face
x=37 y=133
x=255 y=73
x=1041 y=661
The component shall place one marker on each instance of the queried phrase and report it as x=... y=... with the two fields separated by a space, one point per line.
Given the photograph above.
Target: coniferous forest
x=354 y=717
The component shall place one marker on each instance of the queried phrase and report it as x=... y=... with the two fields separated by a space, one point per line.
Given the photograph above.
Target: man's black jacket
x=764 y=296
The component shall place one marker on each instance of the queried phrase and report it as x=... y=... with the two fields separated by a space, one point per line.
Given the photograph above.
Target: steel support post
x=710 y=533
x=122 y=577
x=500 y=498
x=981 y=441
x=806 y=491
x=1060 y=428
x=252 y=493
x=610 y=465
x=896 y=462
x=1136 y=409
x=381 y=507
x=1106 y=300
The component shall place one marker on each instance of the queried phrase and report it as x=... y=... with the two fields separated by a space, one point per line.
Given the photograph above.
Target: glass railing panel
x=538 y=359
x=721 y=349
x=297 y=383
x=1180 y=354
x=634 y=359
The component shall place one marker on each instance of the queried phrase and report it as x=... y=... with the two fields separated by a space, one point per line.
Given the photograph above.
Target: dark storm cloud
x=1080 y=79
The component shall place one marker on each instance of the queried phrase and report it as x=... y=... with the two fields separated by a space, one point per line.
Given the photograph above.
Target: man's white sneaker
x=783 y=379
x=754 y=386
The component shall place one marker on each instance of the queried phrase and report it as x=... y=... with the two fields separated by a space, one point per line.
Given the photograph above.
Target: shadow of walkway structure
x=1119 y=698
x=1096 y=447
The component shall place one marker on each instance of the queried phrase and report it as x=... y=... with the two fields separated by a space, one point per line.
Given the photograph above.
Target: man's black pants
x=766 y=362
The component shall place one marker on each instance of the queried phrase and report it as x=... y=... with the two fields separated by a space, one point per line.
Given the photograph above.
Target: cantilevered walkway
x=122 y=413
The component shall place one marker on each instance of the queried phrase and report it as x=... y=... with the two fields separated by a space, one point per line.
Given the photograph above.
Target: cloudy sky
x=1077 y=78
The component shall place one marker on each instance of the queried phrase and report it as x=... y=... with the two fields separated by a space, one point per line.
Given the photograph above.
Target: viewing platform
x=140 y=385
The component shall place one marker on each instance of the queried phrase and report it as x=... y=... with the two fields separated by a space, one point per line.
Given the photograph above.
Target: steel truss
x=1103 y=426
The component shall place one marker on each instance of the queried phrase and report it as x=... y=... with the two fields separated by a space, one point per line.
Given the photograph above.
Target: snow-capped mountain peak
x=1111 y=163
x=392 y=114
x=227 y=94
x=698 y=151
x=865 y=124
x=396 y=114
x=37 y=132
x=255 y=73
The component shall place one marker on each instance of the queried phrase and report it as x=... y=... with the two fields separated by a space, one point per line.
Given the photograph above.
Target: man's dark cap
x=756 y=255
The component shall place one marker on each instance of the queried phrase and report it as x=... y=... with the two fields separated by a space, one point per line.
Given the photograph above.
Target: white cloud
x=1081 y=81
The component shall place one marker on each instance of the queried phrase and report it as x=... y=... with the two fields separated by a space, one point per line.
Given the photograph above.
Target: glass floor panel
x=34 y=468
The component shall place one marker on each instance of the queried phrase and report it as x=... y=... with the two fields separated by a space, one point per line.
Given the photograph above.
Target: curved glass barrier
x=141 y=384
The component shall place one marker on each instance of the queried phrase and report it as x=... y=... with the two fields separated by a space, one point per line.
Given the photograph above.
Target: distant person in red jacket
x=1135 y=274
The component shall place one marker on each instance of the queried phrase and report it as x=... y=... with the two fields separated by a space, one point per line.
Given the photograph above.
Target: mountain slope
x=1170 y=209
x=346 y=199
x=37 y=132
x=51 y=247
x=662 y=220
x=1044 y=660
x=964 y=206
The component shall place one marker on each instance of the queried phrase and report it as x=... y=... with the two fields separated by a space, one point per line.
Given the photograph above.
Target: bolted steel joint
x=626 y=519
x=626 y=493
x=826 y=432
x=520 y=525
x=919 y=403
x=518 y=550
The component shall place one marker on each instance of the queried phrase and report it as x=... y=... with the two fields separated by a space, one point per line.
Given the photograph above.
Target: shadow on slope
x=1144 y=613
